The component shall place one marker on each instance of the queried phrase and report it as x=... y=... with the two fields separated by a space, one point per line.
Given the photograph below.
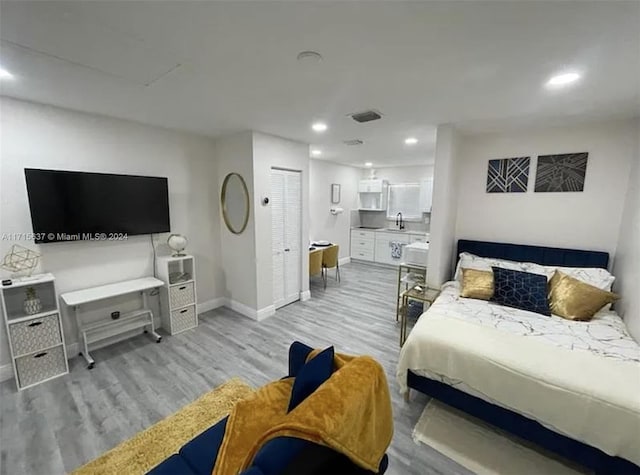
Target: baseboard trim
x=212 y=304
x=6 y=372
x=304 y=296
x=265 y=312
x=344 y=260
x=241 y=308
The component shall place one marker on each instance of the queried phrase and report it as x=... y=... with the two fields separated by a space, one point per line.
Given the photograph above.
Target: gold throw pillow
x=576 y=300
x=477 y=284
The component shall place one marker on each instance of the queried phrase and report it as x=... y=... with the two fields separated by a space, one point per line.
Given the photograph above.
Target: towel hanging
x=396 y=249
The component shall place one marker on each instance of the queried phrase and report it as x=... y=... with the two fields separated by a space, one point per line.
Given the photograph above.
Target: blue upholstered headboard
x=547 y=256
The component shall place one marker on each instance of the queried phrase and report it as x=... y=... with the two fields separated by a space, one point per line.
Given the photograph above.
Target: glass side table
x=419 y=293
x=409 y=275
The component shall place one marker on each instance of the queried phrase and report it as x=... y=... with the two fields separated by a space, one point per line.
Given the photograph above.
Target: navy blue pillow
x=522 y=290
x=315 y=372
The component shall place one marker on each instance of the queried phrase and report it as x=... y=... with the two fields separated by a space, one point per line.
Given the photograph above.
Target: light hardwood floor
x=57 y=426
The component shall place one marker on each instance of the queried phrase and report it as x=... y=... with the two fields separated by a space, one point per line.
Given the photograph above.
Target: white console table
x=92 y=332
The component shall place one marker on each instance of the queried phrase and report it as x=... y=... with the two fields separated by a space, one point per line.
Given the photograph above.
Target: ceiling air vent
x=353 y=142
x=366 y=116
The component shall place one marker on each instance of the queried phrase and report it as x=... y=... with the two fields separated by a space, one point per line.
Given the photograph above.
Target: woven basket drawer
x=39 y=366
x=183 y=319
x=181 y=295
x=34 y=335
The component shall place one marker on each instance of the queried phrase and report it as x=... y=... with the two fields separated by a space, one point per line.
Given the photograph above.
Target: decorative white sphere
x=177 y=242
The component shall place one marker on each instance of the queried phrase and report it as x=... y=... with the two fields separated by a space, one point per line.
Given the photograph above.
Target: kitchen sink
x=396 y=230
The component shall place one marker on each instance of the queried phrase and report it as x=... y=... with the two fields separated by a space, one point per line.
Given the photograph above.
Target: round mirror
x=235 y=203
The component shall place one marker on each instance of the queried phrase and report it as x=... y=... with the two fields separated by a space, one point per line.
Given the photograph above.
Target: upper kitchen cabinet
x=426 y=195
x=372 y=195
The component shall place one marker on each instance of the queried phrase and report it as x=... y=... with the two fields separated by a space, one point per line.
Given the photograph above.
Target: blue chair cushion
x=174 y=465
x=253 y=470
x=276 y=455
x=201 y=452
x=298 y=353
x=522 y=290
x=315 y=372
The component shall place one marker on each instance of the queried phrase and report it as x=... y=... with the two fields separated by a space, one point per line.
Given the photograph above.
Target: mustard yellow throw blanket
x=350 y=413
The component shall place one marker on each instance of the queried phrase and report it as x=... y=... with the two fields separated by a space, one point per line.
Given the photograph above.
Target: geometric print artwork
x=523 y=290
x=508 y=175
x=563 y=172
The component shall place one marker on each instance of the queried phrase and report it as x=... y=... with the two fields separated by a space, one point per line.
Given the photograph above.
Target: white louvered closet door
x=277 y=236
x=286 y=228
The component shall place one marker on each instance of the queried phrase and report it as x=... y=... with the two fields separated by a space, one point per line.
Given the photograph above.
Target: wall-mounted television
x=72 y=205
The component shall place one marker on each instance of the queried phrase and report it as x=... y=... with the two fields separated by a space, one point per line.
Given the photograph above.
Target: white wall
x=323 y=224
x=404 y=174
x=626 y=265
x=444 y=208
x=583 y=220
x=234 y=153
x=47 y=137
x=275 y=152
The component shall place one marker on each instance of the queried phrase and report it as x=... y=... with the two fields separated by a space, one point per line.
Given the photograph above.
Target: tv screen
x=70 y=206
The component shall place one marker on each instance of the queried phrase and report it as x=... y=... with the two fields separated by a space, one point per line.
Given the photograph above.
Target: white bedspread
x=581 y=379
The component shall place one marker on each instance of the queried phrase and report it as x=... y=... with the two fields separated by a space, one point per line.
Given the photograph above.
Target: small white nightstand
x=178 y=296
x=36 y=341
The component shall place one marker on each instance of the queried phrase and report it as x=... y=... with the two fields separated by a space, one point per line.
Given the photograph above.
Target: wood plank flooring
x=57 y=426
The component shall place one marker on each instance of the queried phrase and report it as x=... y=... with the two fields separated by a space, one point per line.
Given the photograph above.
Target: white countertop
x=389 y=230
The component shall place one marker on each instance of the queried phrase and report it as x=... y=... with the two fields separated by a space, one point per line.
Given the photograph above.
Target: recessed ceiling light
x=563 y=79
x=319 y=126
x=316 y=153
x=411 y=141
x=4 y=74
x=368 y=164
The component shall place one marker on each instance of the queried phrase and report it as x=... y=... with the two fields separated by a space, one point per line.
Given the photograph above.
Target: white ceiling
x=219 y=67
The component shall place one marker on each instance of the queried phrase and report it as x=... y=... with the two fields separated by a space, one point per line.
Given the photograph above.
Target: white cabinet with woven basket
x=34 y=330
x=178 y=296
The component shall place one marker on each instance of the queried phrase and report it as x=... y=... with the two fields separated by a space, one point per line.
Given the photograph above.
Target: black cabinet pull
x=35 y=324
x=40 y=355
x=182 y=288
x=184 y=310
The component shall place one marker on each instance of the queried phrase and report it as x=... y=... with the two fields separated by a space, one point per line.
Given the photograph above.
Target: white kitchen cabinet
x=372 y=195
x=370 y=186
x=383 y=247
x=426 y=195
x=362 y=245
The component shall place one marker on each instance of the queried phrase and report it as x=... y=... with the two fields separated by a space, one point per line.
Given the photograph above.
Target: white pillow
x=471 y=261
x=597 y=277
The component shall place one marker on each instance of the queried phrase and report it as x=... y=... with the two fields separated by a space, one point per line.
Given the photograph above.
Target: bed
x=549 y=380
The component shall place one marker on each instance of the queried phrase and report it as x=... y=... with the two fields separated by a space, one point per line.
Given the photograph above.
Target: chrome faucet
x=399 y=221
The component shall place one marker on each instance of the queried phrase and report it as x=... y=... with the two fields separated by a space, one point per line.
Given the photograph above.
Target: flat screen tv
x=70 y=205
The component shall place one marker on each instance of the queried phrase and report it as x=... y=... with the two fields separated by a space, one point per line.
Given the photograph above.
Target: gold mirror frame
x=223 y=203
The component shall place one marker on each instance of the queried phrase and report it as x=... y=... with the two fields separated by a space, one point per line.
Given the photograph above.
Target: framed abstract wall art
x=562 y=172
x=508 y=175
